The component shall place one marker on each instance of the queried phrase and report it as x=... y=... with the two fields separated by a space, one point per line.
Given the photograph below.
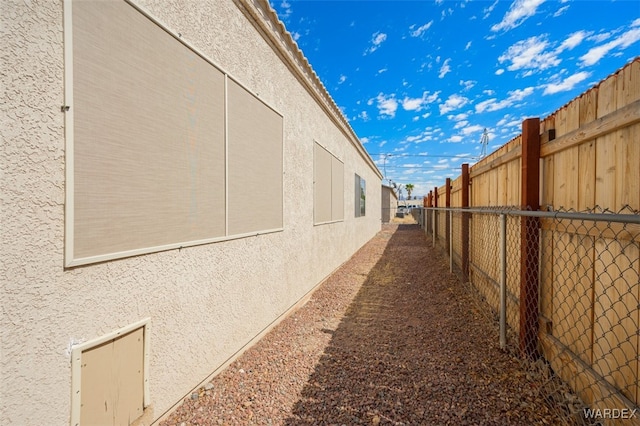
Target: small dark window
x=360 y=196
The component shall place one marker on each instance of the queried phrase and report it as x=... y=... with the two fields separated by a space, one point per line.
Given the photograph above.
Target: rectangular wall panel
x=255 y=163
x=112 y=381
x=322 y=184
x=148 y=148
x=337 y=189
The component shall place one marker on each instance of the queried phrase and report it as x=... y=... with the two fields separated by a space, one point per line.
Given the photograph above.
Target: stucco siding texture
x=204 y=302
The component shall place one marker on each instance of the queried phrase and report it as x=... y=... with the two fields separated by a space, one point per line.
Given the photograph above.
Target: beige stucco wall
x=205 y=302
x=389 y=202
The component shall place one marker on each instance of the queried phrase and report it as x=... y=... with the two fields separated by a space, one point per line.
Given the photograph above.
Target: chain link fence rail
x=565 y=287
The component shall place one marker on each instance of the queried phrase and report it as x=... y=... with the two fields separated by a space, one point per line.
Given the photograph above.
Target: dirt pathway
x=390 y=338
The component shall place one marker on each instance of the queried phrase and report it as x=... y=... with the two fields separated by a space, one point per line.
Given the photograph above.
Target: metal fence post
x=447 y=203
x=433 y=224
x=451 y=241
x=503 y=281
x=464 y=226
x=435 y=215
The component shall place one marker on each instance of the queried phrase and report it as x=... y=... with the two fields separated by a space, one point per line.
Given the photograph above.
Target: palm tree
x=409 y=188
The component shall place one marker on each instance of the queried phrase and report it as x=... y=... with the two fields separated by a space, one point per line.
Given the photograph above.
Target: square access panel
x=109 y=377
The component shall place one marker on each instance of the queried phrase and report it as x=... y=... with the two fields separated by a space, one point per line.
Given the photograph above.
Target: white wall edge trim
x=173 y=246
x=68 y=130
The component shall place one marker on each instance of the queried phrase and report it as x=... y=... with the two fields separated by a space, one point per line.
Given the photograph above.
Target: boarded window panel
x=148 y=135
x=322 y=184
x=255 y=163
x=337 y=189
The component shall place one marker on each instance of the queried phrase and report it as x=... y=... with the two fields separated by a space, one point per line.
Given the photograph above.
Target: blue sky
x=420 y=80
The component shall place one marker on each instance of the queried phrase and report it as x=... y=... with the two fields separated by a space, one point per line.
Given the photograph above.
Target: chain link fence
x=564 y=289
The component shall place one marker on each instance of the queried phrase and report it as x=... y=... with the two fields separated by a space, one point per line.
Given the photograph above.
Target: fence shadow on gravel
x=413 y=349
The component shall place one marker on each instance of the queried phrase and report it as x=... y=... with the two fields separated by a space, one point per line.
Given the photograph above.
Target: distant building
x=389 y=203
x=410 y=204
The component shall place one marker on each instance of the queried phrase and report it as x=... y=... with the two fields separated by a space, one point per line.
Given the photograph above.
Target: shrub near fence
x=572 y=284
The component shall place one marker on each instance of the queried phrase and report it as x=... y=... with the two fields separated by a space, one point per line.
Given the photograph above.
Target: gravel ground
x=390 y=338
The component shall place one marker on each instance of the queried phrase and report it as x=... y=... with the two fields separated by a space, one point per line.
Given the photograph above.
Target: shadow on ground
x=412 y=349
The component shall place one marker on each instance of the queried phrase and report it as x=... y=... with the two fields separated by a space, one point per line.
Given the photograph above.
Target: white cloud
x=530 y=54
x=520 y=94
x=412 y=104
x=514 y=123
x=460 y=157
x=420 y=30
x=566 y=84
x=387 y=105
x=454 y=102
x=499 y=71
x=573 y=40
x=537 y=53
x=519 y=11
x=417 y=104
x=424 y=136
x=342 y=79
x=446 y=12
x=469 y=130
x=599 y=38
x=560 y=11
x=455 y=139
x=363 y=116
x=509 y=121
x=468 y=46
x=487 y=11
x=364 y=140
x=467 y=84
x=495 y=105
x=625 y=40
x=445 y=69
x=286 y=10
x=488 y=105
x=376 y=40
x=458 y=117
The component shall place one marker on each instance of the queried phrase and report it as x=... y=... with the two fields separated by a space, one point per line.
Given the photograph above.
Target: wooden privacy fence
x=584 y=319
